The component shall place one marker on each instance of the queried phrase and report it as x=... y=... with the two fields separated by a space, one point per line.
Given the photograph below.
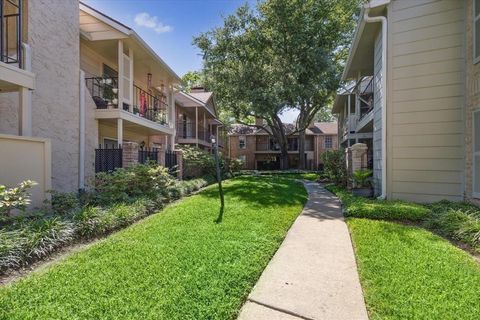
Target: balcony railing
x=11 y=32
x=151 y=107
x=104 y=91
x=187 y=130
x=292 y=146
x=366 y=98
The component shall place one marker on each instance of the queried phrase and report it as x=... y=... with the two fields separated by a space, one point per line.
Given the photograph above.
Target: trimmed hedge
x=358 y=207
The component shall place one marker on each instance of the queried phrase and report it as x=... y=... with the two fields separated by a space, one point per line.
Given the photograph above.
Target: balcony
x=271 y=146
x=14 y=55
x=187 y=133
x=147 y=111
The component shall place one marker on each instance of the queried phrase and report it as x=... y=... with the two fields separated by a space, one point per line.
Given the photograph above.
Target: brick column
x=130 y=153
x=179 y=154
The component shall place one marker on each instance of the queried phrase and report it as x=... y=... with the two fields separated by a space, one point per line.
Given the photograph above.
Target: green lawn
x=409 y=273
x=178 y=264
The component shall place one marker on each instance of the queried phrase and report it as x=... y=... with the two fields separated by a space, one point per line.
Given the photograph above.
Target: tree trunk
x=278 y=131
x=301 y=150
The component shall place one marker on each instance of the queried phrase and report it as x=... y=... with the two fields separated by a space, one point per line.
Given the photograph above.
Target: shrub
x=15 y=198
x=456 y=220
x=334 y=166
x=64 y=203
x=31 y=239
x=198 y=163
x=235 y=165
x=359 y=207
x=128 y=184
x=361 y=178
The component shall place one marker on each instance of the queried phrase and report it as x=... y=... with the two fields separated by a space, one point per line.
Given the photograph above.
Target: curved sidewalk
x=313 y=275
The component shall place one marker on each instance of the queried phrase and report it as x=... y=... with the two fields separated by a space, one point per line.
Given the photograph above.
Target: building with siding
x=259 y=151
x=420 y=55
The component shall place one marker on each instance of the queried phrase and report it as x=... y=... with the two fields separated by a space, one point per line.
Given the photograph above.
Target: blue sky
x=169 y=26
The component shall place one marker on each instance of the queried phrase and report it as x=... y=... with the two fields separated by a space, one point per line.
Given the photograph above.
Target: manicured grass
x=179 y=264
x=409 y=273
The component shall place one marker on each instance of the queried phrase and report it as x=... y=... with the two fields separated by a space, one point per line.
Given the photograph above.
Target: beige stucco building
x=73 y=83
x=423 y=99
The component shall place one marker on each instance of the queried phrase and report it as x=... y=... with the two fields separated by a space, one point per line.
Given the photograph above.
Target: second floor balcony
x=104 y=92
x=269 y=145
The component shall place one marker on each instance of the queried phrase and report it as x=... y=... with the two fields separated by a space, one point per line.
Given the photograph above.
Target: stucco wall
x=472 y=103
x=53 y=34
x=9 y=112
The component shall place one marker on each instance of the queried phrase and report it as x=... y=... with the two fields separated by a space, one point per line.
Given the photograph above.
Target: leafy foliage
x=15 y=198
x=361 y=178
x=173 y=265
x=334 y=166
x=197 y=162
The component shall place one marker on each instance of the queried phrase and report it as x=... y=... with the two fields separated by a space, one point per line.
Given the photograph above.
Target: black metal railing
x=147 y=154
x=153 y=108
x=11 y=32
x=292 y=145
x=108 y=158
x=171 y=160
x=104 y=91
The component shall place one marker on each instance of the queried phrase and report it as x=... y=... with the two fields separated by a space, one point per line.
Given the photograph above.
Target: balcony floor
x=132 y=121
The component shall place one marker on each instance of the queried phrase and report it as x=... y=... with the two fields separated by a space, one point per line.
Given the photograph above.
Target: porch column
x=196 y=125
x=173 y=116
x=130 y=85
x=205 y=126
x=119 y=132
x=25 y=112
x=121 y=71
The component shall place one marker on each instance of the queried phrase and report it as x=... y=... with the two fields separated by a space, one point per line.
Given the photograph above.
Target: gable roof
x=317 y=128
x=327 y=127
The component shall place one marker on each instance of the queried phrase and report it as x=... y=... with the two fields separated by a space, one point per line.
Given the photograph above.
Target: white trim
x=476 y=58
x=81 y=151
x=475 y=153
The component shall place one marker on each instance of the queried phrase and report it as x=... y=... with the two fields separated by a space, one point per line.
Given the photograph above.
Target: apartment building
x=259 y=151
x=411 y=95
x=76 y=89
x=197 y=119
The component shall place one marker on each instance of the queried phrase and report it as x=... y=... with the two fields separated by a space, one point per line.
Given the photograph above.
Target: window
x=328 y=142
x=476 y=154
x=476 y=31
x=242 y=142
x=243 y=158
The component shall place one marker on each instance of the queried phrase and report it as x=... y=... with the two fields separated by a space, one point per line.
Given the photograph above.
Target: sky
x=168 y=26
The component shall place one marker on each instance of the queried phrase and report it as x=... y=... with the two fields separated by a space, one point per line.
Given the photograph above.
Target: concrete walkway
x=313 y=275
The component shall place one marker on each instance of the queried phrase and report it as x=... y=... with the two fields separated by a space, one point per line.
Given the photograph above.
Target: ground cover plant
x=179 y=264
x=407 y=271
x=122 y=197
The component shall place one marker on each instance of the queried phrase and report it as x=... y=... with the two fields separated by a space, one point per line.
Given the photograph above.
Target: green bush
x=334 y=168
x=456 y=220
x=198 y=163
x=28 y=240
x=361 y=178
x=15 y=198
x=64 y=203
x=359 y=207
x=128 y=184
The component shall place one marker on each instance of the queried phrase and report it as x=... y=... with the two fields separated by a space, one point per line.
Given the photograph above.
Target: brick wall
x=248 y=152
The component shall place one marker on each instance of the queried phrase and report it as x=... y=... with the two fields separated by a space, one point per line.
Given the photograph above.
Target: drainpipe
x=25 y=120
x=383 y=20
x=81 y=157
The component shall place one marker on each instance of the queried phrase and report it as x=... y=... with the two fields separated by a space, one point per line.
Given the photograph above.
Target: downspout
x=81 y=156
x=383 y=20
x=26 y=128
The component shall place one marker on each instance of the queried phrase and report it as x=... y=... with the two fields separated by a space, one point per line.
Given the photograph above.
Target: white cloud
x=144 y=19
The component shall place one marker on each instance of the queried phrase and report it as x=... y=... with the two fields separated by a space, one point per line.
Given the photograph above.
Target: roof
x=317 y=128
x=362 y=47
x=114 y=30
x=327 y=127
x=202 y=96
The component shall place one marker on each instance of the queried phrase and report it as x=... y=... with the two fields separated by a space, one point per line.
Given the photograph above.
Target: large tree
x=286 y=54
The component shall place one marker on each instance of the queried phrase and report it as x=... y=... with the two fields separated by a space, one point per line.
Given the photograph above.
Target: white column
x=120 y=74
x=196 y=125
x=81 y=132
x=130 y=85
x=119 y=131
x=25 y=112
x=172 y=115
x=205 y=126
